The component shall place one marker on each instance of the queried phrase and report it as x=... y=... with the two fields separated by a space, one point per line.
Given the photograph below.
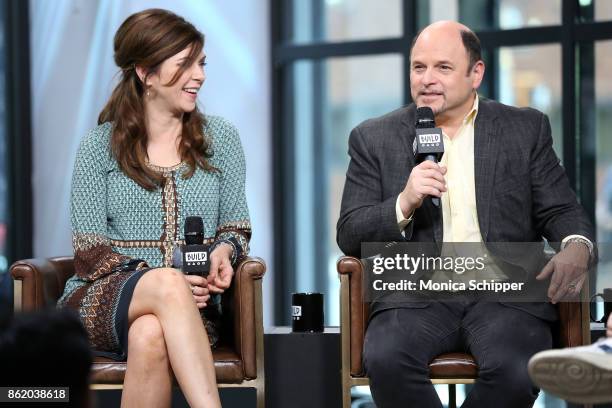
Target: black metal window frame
x=575 y=36
x=18 y=129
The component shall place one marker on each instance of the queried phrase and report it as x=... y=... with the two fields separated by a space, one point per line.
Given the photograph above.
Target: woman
x=154 y=160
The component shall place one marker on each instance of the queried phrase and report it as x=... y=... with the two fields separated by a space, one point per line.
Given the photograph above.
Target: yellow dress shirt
x=460 y=220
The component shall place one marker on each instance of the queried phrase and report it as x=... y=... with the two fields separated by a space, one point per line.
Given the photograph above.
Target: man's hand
x=569 y=270
x=199 y=288
x=426 y=179
x=221 y=271
x=609 y=326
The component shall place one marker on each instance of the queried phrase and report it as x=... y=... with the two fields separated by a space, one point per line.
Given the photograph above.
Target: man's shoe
x=577 y=374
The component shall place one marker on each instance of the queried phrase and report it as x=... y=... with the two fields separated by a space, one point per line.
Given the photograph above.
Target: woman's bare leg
x=164 y=293
x=148 y=366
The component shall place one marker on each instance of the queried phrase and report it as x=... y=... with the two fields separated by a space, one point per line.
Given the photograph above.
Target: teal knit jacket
x=114 y=219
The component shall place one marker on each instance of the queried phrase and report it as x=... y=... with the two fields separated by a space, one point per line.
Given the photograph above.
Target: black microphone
x=428 y=143
x=194 y=259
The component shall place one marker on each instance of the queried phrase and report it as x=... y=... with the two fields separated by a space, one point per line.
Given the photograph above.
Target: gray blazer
x=522 y=192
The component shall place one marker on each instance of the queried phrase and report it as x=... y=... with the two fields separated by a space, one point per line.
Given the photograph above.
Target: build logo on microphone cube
x=429 y=138
x=429 y=141
x=196 y=258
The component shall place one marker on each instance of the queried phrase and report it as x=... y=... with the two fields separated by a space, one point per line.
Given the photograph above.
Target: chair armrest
x=350 y=270
x=248 y=315
x=42 y=281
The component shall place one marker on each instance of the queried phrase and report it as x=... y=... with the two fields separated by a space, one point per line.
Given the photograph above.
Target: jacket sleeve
x=364 y=215
x=556 y=211
x=234 y=225
x=93 y=256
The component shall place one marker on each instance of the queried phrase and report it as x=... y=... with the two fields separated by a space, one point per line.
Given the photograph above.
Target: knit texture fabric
x=114 y=219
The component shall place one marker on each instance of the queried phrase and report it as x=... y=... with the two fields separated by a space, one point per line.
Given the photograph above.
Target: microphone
x=428 y=143
x=193 y=257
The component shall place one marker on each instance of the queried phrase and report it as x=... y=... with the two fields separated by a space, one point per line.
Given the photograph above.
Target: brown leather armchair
x=238 y=360
x=450 y=368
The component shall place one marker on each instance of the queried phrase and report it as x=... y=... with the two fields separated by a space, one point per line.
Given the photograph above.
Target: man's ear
x=478 y=71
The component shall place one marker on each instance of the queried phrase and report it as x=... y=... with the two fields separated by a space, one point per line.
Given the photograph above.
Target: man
x=499 y=181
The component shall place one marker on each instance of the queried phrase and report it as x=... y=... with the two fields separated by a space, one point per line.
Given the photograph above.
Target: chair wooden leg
x=346 y=394
x=260 y=394
x=452 y=396
x=17 y=295
x=260 y=387
x=345 y=329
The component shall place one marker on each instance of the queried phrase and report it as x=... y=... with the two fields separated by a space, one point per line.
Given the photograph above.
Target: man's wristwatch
x=581 y=240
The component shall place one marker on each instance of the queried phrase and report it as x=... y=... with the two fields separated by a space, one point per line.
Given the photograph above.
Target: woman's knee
x=167 y=285
x=146 y=338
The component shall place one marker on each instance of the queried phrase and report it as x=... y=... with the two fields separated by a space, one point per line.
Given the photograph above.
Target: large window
x=336 y=93
x=334 y=69
x=603 y=170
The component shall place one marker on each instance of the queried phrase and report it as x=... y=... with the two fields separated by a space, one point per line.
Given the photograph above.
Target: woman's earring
x=148 y=93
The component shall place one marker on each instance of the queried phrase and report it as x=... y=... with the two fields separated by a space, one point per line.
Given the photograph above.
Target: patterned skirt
x=103 y=306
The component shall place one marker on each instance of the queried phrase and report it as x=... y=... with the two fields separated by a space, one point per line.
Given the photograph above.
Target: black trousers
x=400 y=343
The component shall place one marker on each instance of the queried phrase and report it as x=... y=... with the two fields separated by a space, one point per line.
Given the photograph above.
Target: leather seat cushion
x=228 y=368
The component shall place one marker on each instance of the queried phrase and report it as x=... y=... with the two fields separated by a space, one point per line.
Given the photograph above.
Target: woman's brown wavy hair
x=147 y=39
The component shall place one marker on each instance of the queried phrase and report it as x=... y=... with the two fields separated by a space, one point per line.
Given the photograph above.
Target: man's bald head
x=470 y=40
x=446 y=69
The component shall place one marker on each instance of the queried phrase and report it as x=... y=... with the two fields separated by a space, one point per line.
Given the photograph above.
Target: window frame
x=18 y=129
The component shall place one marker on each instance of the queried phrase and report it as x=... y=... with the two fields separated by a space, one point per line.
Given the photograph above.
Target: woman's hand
x=221 y=271
x=199 y=288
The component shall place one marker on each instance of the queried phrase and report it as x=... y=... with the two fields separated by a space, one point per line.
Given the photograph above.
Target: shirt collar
x=471 y=116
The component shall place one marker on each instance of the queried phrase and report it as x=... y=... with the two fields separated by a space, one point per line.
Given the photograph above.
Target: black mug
x=307 y=312
x=607 y=298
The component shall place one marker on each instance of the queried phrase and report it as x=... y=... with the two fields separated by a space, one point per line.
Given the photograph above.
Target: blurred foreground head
x=47 y=348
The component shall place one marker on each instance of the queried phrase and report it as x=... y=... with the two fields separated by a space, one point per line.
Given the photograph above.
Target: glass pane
x=531 y=76
x=331 y=98
x=342 y=20
x=528 y=13
x=486 y=14
x=436 y=10
x=603 y=159
x=603 y=10
x=603 y=169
